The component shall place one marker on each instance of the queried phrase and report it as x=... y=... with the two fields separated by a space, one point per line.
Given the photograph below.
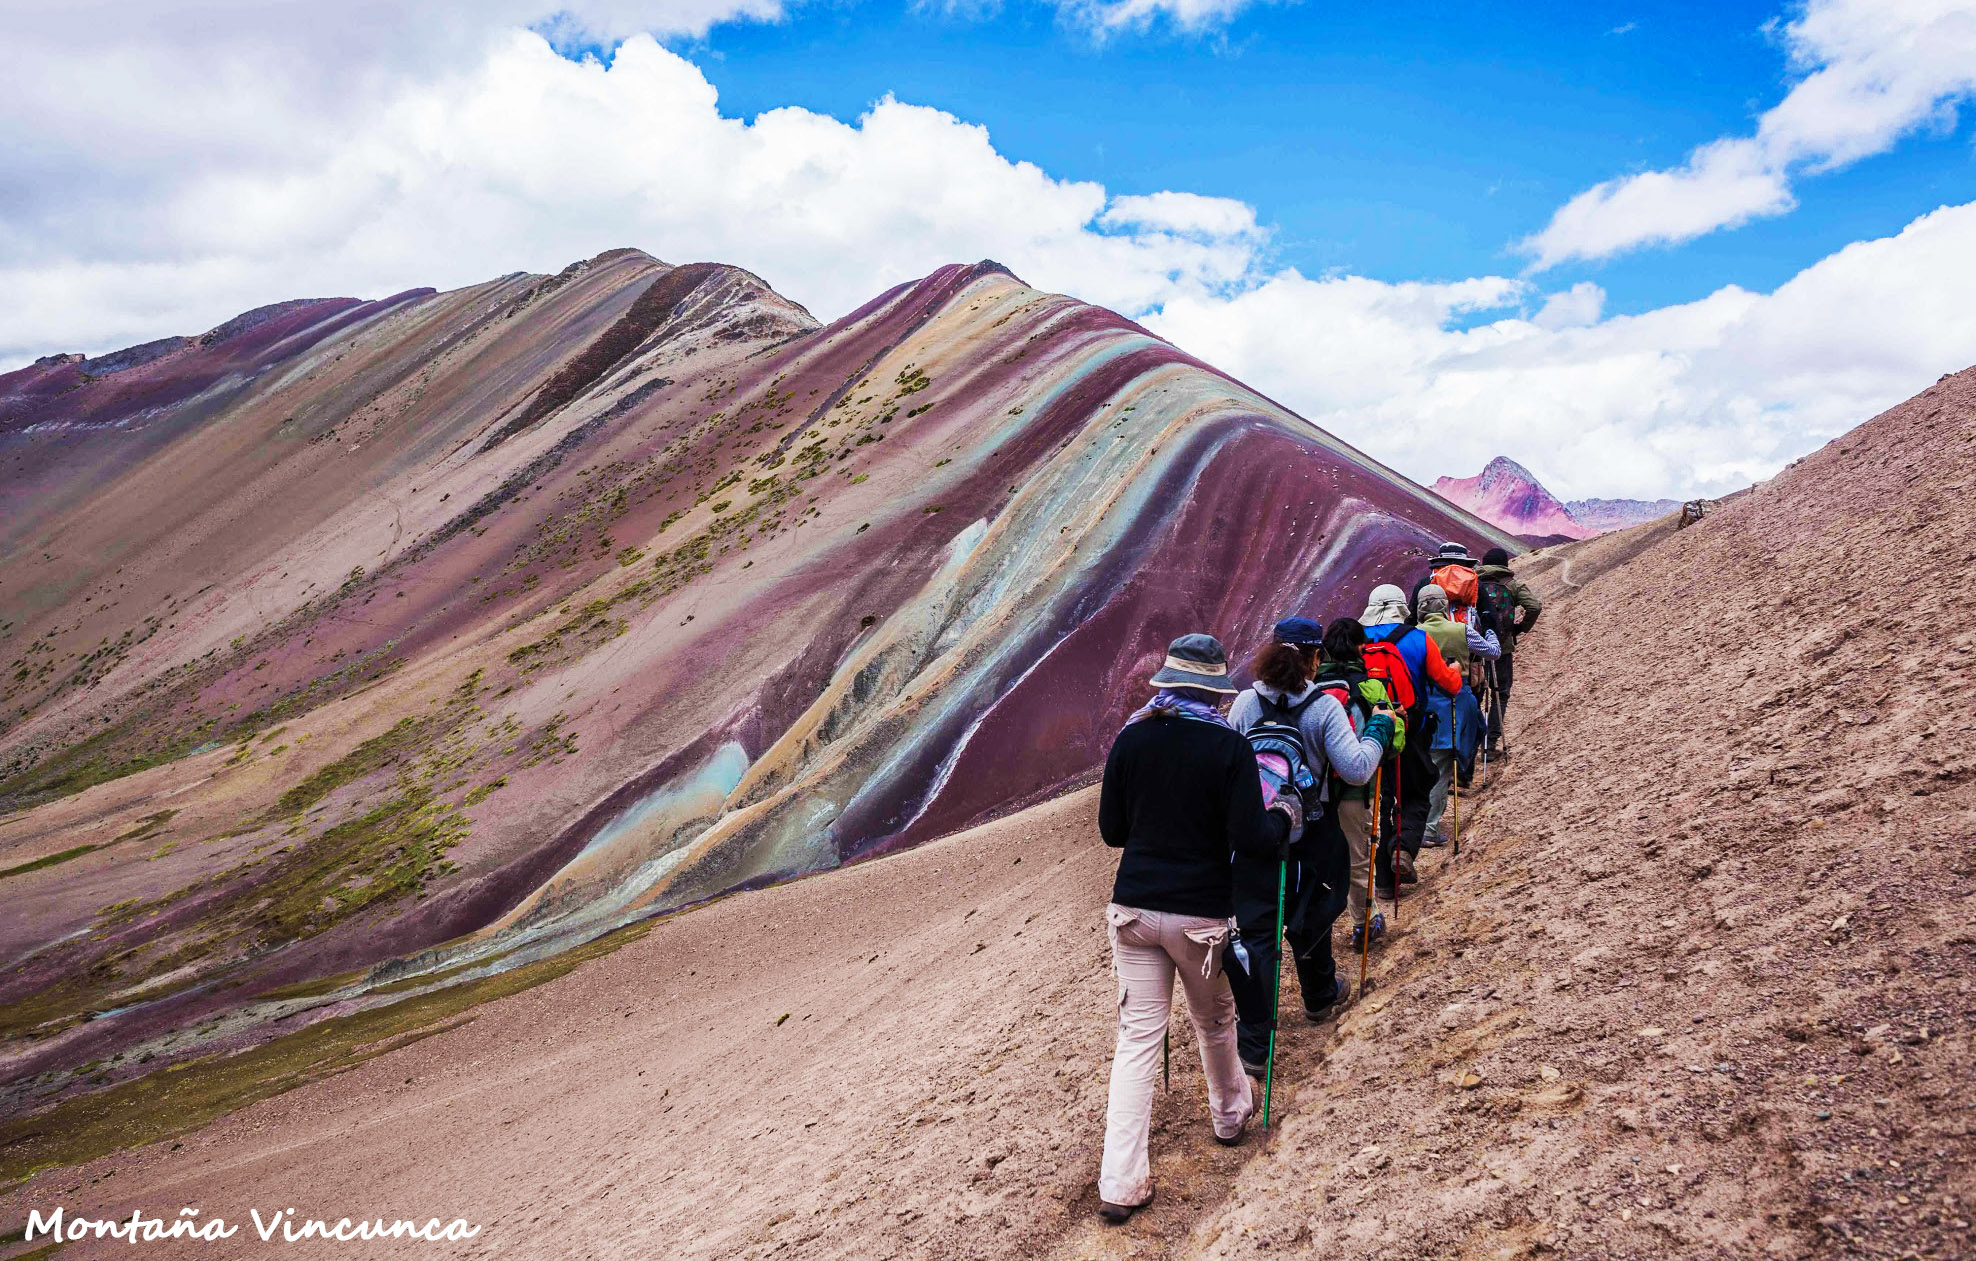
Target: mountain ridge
x=487 y=620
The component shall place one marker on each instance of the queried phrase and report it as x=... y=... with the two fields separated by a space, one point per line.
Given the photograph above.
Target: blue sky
x=1399 y=142
x=1643 y=250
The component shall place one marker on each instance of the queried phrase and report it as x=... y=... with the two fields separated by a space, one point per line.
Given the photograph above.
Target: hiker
x=1342 y=671
x=1319 y=860
x=1455 y=554
x=1516 y=608
x=1460 y=643
x=1404 y=798
x=1182 y=799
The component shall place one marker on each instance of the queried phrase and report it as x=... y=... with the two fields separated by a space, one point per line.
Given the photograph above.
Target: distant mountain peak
x=1508 y=495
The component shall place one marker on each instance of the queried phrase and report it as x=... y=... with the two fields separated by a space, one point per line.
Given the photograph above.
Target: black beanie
x=1496 y=556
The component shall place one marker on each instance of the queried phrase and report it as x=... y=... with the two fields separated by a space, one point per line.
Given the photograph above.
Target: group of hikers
x=1313 y=795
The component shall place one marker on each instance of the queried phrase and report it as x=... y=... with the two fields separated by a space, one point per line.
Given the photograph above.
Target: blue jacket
x=1468 y=711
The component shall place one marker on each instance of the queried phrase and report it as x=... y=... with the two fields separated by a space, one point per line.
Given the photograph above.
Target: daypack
x=1358 y=696
x=1497 y=600
x=1281 y=759
x=1385 y=662
x=1345 y=692
x=1462 y=587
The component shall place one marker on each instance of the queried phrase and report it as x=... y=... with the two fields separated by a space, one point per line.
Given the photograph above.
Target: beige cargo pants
x=1148 y=949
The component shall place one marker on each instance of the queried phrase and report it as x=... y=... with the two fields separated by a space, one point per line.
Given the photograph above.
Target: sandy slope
x=650 y=1104
x=1707 y=950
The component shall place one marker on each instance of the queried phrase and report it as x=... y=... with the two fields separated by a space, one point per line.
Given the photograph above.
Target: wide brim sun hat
x=1196 y=661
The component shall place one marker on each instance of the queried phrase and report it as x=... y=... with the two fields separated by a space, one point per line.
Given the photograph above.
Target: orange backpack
x=1462 y=586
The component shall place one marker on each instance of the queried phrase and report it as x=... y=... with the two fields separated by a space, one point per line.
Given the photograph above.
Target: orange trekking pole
x=1371 y=863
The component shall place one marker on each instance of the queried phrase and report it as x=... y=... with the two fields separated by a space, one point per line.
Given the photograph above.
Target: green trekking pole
x=1276 y=991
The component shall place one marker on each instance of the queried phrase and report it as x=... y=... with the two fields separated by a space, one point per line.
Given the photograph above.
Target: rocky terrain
x=1604 y=515
x=1696 y=986
x=357 y=650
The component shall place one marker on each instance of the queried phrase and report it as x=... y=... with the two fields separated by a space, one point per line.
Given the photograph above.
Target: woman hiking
x=1181 y=798
x=1404 y=796
x=1341 y=670
x=1459 y=643
x=1319 y=859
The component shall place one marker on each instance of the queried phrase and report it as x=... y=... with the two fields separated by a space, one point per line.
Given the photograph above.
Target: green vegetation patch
x=370 y=756
x=186 y=1096
x=149 y=825
x=48 y=860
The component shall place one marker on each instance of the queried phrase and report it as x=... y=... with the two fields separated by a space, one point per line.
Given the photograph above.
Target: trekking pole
x=1399 y=803
x=1166 y=1056
x=1276 y=992
x=1371 y=897
x=1455 y=786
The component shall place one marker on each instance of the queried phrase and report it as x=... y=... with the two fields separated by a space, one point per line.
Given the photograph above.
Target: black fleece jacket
x=1180 y=797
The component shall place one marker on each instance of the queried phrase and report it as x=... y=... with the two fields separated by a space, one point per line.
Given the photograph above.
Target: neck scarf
x=1171 y=704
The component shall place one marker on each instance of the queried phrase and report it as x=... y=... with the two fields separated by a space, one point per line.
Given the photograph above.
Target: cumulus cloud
x=1703 y=397
x=157 y=184
x=527 y=159
x=1868 y=72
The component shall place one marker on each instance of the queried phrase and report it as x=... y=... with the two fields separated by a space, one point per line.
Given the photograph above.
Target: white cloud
x=1183 y=212
x=1704 y=397
x=1869 y=72
x=1105 y=16
x=526 y=159
x=164 y=201
x=1573 y=308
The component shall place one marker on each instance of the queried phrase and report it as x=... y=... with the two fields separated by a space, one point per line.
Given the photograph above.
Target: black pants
x=1505 y=675
x=1403 y=806
x=1318 y=872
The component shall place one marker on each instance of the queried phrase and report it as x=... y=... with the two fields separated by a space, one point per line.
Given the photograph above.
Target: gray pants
x=1444 y=779
x=1355 y=821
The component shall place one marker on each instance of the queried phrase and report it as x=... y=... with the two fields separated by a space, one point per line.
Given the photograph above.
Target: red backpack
x=1384 y=662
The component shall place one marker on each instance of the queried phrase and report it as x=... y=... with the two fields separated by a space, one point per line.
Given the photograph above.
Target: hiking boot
x=1404 y=870
x=1378 y=931
x=1433 y=840
x=1241 y=1131
x=1255 y=1068
x=1339 y=997
x=1117 y=1214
